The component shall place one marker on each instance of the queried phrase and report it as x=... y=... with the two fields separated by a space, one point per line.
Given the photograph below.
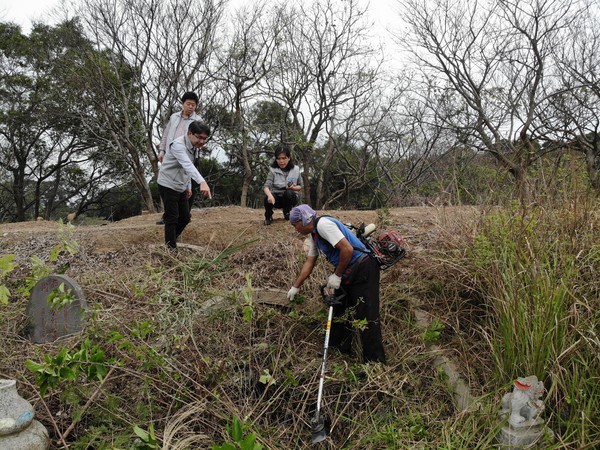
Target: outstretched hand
x=205 y=190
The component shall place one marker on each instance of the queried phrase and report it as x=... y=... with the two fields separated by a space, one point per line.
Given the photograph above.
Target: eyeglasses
x=201 y=137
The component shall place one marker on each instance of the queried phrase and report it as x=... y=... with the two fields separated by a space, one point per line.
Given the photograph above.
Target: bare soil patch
x=219 y=225
x=270 y=255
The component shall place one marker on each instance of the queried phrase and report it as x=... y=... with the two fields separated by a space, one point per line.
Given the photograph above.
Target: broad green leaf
x=142 y=434
x=6 y=264
x=67 y=373
x=4 y=295
x=225 y=446
x=236 y=430
x=248 y=442
x=54 y=253
x=247 y=313
x=33 y=366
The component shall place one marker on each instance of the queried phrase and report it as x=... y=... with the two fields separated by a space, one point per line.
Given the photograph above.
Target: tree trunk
x=592 y=160
x=247 y=169
x=320 y=188
x=305 y=176
x=19 y=195
x=522 y=185
x=147 y=196
x=144 y=188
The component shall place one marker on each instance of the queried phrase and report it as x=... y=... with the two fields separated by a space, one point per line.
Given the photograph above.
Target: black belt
x=348 y=271
x=360 y=259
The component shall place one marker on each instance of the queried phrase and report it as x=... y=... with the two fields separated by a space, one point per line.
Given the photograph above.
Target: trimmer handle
x=332 y=299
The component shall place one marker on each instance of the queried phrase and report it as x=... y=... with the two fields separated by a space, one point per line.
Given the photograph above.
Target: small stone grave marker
x=49 y=322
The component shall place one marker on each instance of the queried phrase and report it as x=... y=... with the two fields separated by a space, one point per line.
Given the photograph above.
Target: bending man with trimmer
x=356 y=273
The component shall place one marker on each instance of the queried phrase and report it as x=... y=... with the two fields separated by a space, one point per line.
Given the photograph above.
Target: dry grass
x=189 y=369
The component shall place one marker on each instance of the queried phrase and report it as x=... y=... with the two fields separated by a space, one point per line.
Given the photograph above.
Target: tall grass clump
x=537 y=271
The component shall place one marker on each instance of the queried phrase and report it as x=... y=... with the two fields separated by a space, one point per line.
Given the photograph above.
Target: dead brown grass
x=198 y=368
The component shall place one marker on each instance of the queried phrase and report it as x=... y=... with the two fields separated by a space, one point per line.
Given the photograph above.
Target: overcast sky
x=383 y=13
x=24 y=11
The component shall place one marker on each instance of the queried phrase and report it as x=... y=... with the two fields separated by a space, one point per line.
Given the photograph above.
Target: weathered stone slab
x=46 y=322
x=271 y=297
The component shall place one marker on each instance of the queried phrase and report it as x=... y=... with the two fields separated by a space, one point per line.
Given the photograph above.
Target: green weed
x=66 y=366
x=433 y=333
x=59 y=297
x=241 y=439
x=147 y=439
x=534 y=270
x=6 y=267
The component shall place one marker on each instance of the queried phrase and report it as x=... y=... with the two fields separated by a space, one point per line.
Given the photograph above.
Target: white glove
x=333 y=282
x=292 y=293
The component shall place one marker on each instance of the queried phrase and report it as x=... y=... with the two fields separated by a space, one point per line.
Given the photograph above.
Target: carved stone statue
x=523 y=407
x=524 y=403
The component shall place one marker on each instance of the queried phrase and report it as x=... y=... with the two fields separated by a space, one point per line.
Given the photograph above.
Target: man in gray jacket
x=174 y=180
x=178 y=126
x=179 y=122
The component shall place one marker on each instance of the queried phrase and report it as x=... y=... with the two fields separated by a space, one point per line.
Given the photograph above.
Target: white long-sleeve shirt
x=177 y=126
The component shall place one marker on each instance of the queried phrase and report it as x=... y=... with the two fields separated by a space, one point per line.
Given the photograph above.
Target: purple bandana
x=302 y=213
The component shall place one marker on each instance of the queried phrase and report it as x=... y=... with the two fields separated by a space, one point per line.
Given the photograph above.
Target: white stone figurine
x=523 y=403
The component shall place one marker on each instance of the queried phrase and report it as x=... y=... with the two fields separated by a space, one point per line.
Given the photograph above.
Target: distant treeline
x=497 y=103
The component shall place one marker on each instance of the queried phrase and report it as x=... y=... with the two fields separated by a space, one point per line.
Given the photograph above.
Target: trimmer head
x=320 y=429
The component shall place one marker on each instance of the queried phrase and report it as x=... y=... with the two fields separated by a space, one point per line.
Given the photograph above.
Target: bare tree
x=574 y=116
x=326 y=68
x=240 y=67
x=354 y=152
x=392 y=146
x=154 y=50
x=494 y=55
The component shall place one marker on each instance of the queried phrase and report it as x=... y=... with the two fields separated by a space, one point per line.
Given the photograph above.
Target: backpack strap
x=327 y=243
x=352 y=268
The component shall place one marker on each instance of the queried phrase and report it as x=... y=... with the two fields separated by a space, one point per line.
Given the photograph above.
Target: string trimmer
x=320 y=427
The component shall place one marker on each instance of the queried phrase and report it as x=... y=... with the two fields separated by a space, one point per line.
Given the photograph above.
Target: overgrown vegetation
x=178 y=354
x=534 y=273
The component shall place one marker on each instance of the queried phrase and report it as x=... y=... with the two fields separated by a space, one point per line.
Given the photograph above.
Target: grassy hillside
x=180 y=353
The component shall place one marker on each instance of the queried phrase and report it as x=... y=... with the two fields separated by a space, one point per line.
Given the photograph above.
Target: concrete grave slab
x=268 y=296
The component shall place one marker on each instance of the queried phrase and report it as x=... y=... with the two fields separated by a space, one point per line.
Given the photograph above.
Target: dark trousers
x=176 y=214
x=195 y=187
x=362 y=294
x=285 y=201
